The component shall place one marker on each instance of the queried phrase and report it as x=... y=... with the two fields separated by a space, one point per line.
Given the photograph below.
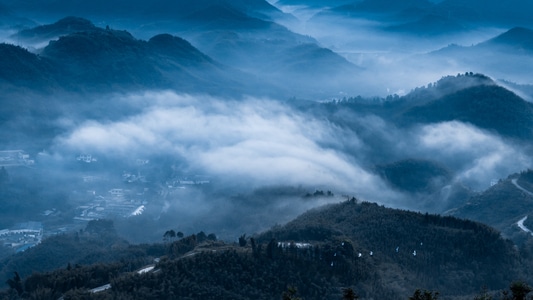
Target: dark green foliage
x=424 y=295
x=100 y=227
x=452 y=255
x=242 y=240
x=15 y=283
x=487 y=106
x=290 y=294
x=415 y=175
x=525 y=179
x=22 y=68
x=500 y=206
x=469 y=254
x=234 y=274
x=349 y=294
x=201 y=236
x=517 y=38
x=169 y=235
x=519 y=290
x=483 y=295
x=62 y=27
x=76 y=248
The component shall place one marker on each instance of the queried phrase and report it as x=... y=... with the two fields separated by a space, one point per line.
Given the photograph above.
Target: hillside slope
x=380 y=253
x=502 y=206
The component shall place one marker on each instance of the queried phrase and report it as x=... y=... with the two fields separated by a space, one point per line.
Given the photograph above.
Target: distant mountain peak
x=174 y=46
x=518 y=37
x=62 y=27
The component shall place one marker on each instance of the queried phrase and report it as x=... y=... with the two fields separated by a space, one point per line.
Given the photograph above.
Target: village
x=98 y=191
x=22 y=236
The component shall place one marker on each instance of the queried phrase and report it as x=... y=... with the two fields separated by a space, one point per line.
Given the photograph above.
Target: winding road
x=514 y=181
x=521 y=222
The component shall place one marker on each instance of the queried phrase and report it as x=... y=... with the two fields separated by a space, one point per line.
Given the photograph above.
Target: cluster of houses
x=117 y=203
x=22 y=236
x=15 y=158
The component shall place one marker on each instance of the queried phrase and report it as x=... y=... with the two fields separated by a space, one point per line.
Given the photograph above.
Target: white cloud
x=260 y=142
x=479 y=156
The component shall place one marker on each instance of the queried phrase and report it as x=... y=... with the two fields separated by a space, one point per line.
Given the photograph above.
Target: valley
x=302 y=149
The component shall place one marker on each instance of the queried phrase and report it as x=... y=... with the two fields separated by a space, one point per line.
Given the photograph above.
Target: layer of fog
x=397 y=60
x=391 y=62
x=475 y=157
x=262 y=157
x=261 y=142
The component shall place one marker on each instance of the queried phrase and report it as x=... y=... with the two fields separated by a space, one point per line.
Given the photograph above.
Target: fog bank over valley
x=232 y=117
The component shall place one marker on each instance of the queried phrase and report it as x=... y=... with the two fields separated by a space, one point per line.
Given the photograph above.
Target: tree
x=172 y=234
x=272 y=248
x=242 y=240
x=180 y=234
x=201 y=236
x=15 y=283
x=349 y=294
x=169 y=235
x=484 y=295
x=520 y=289
x=424 y=295
x=290 y=294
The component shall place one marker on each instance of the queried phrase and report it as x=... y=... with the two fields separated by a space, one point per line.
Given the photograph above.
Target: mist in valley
x=257 y=143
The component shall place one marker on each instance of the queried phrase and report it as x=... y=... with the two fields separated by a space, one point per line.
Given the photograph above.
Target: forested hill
x=378 y=252
x=452 y=255
x=502 y=205
x=469 y=98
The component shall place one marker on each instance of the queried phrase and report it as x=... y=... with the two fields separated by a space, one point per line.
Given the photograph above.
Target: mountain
x=387 y=6
x=386 y=11
x=10 y=20
x=506 y=56
x=393 y=236
x=502 y=205
x=89 y=58
x=223 y=17
x=52 y=31
x=415 y=175
x=315 y=3
x=20 y=67
x=517 y=40
x=378 y=252
x=490 y=12
x=470 y=98
x=270 y=51
x=138 y=10
x=96 y=243
x=489 y=107
x=429 y=25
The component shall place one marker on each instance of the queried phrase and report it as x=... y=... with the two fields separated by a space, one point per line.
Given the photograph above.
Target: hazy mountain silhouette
x=95 y=59
x=489 y=107
x=319 y=3
x=415 y=175
x=382 y=6
x=501 y=206
x=508 y=55
x=429 y=25
x=517 y=40
x=18 y=66
x=514 y=12
x=47 y=32
x=138 y=10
